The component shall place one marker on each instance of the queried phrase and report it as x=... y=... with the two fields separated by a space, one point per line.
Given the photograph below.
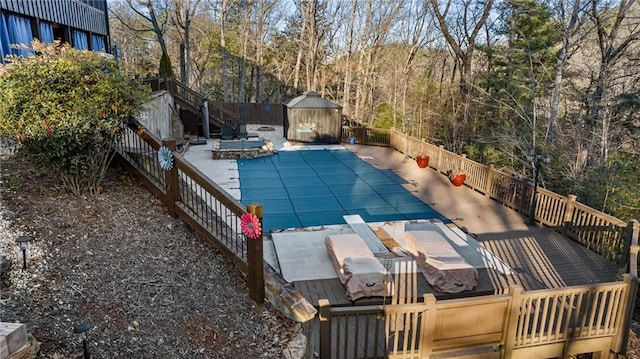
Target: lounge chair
x=445 y=270
x=358 y=269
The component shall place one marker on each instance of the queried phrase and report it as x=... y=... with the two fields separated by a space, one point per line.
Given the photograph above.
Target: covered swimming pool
x=318 y=187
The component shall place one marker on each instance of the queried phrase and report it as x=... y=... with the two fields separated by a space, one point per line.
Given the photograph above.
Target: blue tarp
x=311 y=188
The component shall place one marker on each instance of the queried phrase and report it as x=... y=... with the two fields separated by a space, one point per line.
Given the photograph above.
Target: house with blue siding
x=84 y=24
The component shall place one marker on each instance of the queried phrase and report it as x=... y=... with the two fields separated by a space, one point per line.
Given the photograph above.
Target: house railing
x=218 y=115
x=366 y=136
x=522 y=324
x=595 y=230
x=190 y=195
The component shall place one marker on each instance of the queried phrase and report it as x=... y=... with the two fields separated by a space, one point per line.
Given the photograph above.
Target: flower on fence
x=165 y=158
x=250 y=225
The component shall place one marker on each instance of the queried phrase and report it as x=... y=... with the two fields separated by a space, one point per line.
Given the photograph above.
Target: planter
x=457 y=180
x=423 y=161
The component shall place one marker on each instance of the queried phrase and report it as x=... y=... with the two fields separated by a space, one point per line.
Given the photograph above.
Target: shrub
x=165 y=68
x=66 y=108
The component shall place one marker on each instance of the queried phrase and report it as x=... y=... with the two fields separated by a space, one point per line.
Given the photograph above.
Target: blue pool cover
x=318 y=187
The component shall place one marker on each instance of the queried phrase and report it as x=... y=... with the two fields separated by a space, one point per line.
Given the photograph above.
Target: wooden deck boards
x=548 y=258
x=490 y=282
x=542 y=258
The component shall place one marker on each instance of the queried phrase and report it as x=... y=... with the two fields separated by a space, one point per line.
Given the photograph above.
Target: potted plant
x=457 y=177
x=423 y=161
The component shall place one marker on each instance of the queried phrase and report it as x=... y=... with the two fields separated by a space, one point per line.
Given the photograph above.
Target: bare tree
x=460 y=22
x=570 y=22
x=616 y=33
x=184 y=11
x=379 y=18
x=223 y=50
x=155 y=13
x=348 y=74
x=267 y=15
x=134 y=41
x=415 y=33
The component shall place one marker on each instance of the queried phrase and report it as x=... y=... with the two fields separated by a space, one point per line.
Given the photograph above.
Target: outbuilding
x=312 y=119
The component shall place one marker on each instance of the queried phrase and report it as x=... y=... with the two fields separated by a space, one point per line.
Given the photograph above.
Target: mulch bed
x=147 y=283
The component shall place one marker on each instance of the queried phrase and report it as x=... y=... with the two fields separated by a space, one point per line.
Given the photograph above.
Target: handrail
x=186 y=192
x=218 y=115
x=595 y=230
x=365 y=136
x=516 y=322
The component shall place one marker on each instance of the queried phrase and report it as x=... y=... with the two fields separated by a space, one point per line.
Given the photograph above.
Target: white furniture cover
x=445 y=270
x=358 y=269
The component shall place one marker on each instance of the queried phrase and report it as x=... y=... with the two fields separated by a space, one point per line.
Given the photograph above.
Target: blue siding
x=73 y=13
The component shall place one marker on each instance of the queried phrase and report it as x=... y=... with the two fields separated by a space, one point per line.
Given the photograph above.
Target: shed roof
x=311 y=99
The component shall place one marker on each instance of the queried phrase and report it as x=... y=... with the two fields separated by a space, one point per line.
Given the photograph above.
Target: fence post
x=171 y=180
x=510 y=328
x=439 y=159
x=392 y=132
x=428 y=326
x=489 y=182
x=568 y=213
x=463 y=160
x=622 y=339
x=631 y=248
x=324 y=316
x=255 y=259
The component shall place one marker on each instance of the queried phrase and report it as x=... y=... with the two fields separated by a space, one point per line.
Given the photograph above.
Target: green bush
x=66 y=108
x=165 y=68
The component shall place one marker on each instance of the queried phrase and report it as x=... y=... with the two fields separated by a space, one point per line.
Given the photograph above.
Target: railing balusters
x=197 y=200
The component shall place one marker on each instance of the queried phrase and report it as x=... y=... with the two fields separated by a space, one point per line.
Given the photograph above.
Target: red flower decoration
x=250 y=225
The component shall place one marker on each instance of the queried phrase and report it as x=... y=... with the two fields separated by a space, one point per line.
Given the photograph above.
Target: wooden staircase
x=191 y=105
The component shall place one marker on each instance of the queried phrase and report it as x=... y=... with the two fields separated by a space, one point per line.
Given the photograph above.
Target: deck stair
x=192 y=102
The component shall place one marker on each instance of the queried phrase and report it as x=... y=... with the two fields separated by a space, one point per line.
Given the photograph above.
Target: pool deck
x=541 y=257
x=471 y=211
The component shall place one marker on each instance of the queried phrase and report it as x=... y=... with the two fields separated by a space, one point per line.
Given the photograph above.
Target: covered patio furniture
x=444 y=268
x=358 y=269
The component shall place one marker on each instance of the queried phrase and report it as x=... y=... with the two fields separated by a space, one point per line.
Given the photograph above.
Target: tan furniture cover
x=445 y=270
x=358 y=269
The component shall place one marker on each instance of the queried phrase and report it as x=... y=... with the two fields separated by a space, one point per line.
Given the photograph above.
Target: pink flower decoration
x=250 y=225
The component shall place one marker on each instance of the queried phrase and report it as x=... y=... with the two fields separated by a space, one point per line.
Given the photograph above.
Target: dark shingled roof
x=311 y=99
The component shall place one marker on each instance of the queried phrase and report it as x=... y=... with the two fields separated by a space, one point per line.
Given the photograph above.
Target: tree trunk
x=223 y=52
x=464 y=51
x=346 y=97
x=563 y=56
x=612 y=47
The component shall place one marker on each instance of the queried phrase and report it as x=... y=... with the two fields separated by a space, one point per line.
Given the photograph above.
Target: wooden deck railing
x=534 y=324
x=190 y=195
x=598 y=231
x=218 y=115
x=366 y=136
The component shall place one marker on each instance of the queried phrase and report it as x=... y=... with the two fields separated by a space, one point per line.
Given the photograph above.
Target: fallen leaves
x=147 y=283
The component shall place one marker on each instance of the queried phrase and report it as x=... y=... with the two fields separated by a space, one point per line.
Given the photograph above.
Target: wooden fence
x=190 y=195
x=366 y=136
x=535 y=324
x=595 y=230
